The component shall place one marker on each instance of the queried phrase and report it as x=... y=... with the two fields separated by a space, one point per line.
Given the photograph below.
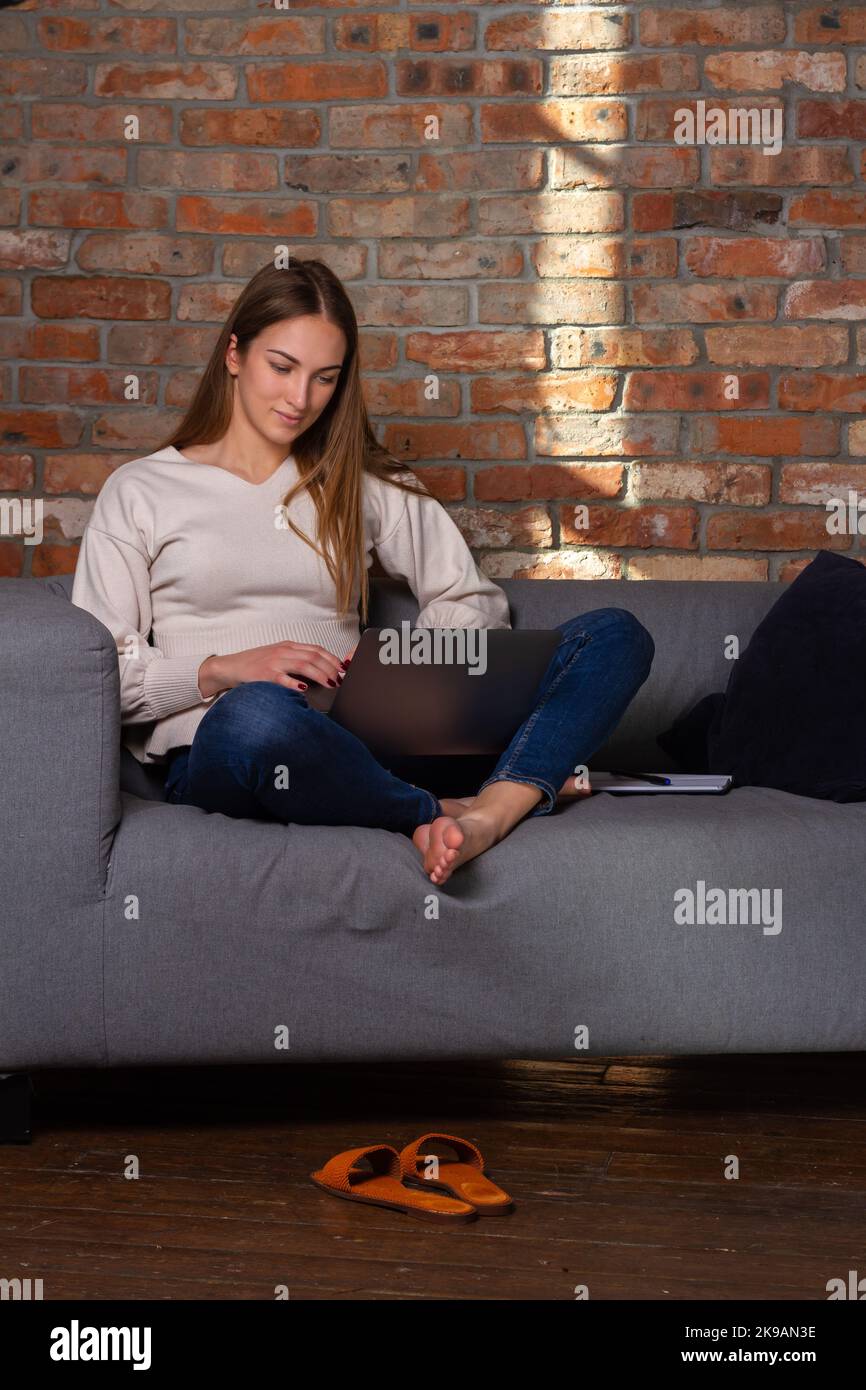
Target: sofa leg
x=16 y=1091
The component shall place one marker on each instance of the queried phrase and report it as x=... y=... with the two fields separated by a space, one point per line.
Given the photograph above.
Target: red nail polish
x=301 y=686
x=333 y=683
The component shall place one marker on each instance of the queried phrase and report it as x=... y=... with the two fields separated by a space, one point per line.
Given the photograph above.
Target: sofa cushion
x=795 y=709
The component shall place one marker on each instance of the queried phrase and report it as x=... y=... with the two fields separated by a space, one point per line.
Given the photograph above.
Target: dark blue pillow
x=794 y=715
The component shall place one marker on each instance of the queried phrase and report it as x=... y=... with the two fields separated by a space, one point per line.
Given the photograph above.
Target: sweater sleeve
x=112 y=581
x=424 y=546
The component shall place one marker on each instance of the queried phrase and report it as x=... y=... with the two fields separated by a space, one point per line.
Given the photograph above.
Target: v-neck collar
x=197 y=463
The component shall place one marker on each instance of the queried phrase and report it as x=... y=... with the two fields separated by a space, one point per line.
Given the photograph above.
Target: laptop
x=451 y=691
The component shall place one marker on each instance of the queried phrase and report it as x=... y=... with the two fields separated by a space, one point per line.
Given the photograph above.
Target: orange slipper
x=466 y=1179
x=381 y=1185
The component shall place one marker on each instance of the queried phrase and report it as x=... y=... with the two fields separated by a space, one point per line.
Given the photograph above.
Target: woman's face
x=289 y=374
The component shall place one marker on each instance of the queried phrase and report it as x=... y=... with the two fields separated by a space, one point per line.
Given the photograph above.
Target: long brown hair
x=333 y=454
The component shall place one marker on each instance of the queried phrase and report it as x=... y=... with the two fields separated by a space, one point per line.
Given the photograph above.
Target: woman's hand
x=279 y=662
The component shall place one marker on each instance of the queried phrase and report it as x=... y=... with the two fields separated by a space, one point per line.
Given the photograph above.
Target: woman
x=242 y=545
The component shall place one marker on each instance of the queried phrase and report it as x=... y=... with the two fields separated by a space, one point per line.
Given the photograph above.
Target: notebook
x=618 y=782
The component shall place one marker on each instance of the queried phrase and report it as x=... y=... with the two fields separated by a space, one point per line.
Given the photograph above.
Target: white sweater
x=202 y=562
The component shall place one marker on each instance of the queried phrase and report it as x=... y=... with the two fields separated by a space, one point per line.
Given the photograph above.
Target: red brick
x=237 y=173
x=115 y=35
x=622 y=347
x=10 y=207
x=559 y=564
x=288 y=34
x=138 y=429
x=644 y=528
x=669 y=72
x=559 y=29
x=281 y=128
x=556 y=391
x=50 y=341
x=81 y=386
x=817 y=391
x=835 y=24
x=624 y=166
x=100 y=297
x=403 y=127
x=43 y=163
x=161 y=345
x=819 y=482
x=145 y=255
x=826 y=299
x=425 y=215
x=828 y=120
x=386 y=33
x=786 y=346
x=33 y=249
x=475 y=77
x=11 y=121
x=512 y=483
x=478 y=170
x=41 y=77
x=657 y=390
x=97 y=208
x=764 y=437
x=11 y=294
x=746 y=485
x=787 y=530
x=606 y=259
x=246 y=216
x=826 y=209
x=477 y=350
x=606 y=436
x=52 y=559
x=316 y=81
x=411 y=305
x=495 y=440
x=853 y=252
x=809 y=164
x=17 y=472
x=448 y=484
x=482 y=526
x=170 y=81
x=765 y=256
x=406 y=396
x=12 y=558
x=670 y=28
x=207 y=301
x=653 y=212
x=541 y=213
x=79 y=471
x=687 y=567
x=702 y=303
x=442 y=260
x=578 y=118
x=103 y=123
x=551 y=301
x=40 y=429
x=768 y=70
x=659 y=117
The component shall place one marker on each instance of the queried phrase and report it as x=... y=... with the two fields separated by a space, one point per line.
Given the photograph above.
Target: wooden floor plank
x=616 y=1166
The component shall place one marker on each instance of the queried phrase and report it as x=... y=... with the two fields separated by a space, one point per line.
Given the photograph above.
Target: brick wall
x=650 y=355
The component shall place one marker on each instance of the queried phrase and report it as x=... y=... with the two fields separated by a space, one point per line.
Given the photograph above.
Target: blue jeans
x=261 y=752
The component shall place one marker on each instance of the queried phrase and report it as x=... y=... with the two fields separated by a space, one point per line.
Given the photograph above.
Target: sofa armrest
x=59 y=810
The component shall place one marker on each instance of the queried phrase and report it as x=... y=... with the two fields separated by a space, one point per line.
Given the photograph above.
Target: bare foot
x=449 y=841
x=455 y=805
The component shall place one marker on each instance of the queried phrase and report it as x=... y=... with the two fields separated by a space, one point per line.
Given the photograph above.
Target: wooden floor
x=616 y=1166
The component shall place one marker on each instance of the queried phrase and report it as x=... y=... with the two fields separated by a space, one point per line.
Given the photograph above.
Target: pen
x=644 y=777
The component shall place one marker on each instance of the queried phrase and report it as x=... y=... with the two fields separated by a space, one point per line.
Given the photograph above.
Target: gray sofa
x=137 y=932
